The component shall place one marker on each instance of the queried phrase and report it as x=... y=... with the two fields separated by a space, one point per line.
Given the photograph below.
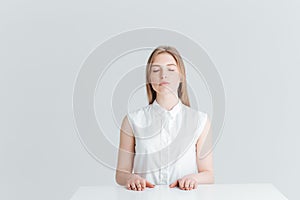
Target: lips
x=164 y=83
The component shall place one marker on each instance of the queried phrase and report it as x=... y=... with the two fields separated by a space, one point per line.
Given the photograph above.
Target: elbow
x=208 y=177
x=117 y=179
x=120 y=179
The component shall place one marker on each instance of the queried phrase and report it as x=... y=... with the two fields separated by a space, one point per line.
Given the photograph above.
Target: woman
x=161 y=142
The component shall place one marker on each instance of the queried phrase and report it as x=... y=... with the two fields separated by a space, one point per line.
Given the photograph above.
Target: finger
x=138 y=185
x=174 y=184
x=143 y=183
x=181 y=183
x=191 y=186
x=150 y=185
x=195 y=185
x=133 y=186
x=187 y=184
x=128 y=187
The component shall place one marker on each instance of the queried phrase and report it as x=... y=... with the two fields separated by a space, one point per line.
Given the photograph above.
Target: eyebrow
x=169 y=64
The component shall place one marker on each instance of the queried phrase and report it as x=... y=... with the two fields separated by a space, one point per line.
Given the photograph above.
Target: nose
x=163 y=73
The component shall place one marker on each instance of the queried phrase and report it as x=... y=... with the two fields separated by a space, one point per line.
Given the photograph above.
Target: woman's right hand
x=137 y=183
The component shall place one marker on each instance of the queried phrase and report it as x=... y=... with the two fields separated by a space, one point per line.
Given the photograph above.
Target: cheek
x=174 y=78
x=154 y=79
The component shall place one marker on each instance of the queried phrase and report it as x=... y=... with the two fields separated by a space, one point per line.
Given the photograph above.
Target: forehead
x=164 y=59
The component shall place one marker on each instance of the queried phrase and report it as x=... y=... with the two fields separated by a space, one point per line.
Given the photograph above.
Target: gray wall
x=254 y=44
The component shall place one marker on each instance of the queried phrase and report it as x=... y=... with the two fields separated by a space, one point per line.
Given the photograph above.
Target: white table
x=263 y=191
x=203 y=192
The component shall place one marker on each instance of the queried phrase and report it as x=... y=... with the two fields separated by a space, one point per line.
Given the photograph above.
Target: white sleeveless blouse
x=165 y=141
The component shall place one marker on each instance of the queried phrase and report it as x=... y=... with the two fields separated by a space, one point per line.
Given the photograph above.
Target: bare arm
x=205 y=160
x=126 y=153
x=124 y=175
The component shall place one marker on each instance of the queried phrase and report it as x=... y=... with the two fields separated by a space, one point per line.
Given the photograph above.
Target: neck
x=167 y=101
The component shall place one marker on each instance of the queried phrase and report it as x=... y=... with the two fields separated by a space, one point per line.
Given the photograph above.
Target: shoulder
x=198 y=118
x=198 y=114
x=139 y=115
x=139 y=111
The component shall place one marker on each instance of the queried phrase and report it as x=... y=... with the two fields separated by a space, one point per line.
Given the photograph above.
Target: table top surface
x=203 y=192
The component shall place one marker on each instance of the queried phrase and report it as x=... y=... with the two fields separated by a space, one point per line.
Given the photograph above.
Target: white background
x=254 y=44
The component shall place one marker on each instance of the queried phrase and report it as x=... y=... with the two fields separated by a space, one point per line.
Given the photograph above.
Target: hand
x=137 y=183
x=188 y=182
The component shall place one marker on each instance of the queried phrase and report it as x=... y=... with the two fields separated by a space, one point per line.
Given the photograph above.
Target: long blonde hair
x=182 y=88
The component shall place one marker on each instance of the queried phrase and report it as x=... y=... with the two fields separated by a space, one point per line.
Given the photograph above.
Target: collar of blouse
x=167 y=113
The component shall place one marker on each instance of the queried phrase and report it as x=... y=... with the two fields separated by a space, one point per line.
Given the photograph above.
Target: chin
x=166 y=91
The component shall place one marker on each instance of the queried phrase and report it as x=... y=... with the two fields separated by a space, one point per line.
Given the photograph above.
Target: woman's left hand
x=187 y=182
